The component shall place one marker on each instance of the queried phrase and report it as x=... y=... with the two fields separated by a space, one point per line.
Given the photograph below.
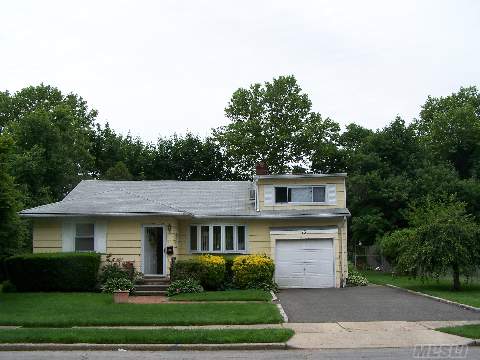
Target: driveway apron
x=368 y=303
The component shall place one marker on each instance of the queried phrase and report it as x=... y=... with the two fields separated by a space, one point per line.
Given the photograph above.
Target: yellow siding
x=338 y=181
x=47 y=236
x=124 y=237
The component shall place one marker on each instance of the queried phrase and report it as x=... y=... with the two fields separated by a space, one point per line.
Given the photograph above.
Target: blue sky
x=159 y=67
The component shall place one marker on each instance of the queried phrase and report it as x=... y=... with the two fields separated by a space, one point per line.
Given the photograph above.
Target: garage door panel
x=314 y=255
x=291 y=281
x=289 y=268
x=316 y=244
x=321 y=267
x=318 y=281
x=304 y=263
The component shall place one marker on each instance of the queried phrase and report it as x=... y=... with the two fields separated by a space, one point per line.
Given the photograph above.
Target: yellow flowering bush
x=253 y=272
x=213 y=271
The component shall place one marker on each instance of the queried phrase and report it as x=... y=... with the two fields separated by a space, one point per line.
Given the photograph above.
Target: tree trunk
x=456 y=278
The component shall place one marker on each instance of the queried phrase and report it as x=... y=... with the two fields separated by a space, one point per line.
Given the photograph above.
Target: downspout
x=343 y=278
x=257 y=206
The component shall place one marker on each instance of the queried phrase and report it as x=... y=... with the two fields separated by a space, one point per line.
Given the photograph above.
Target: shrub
x=3 y=273
x=186 y=269
x=118 y=269
x=208 y=270
x=184 y=286
x=253 y=272
x=54 y=271
x=213 y=273
x=355 y=278
x=8 y=287
x=117 y=284
x=228 y=281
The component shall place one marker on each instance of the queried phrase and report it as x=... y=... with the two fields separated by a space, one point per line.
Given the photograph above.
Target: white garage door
x=304 y=263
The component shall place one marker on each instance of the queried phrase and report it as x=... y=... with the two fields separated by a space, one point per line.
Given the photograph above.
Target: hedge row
x=53 y=271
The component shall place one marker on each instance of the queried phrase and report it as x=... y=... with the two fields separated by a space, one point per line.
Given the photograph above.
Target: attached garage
x=305 y=258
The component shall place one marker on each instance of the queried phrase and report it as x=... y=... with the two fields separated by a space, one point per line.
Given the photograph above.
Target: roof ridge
x=154 y=201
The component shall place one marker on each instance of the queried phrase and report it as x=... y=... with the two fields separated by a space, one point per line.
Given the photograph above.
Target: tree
x=118 y=172
x=450 y=128
x=12 y=229
x=51 y=134
x=443 y=239
x=274 y=123
x=380 y=166
x=188 y=157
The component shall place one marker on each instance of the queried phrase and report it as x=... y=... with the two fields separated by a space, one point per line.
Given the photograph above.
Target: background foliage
x=49 y=141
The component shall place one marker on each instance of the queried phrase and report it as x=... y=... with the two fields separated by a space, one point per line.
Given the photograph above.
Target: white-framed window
x=221 y=238
x=300 y=194
x=85 y=237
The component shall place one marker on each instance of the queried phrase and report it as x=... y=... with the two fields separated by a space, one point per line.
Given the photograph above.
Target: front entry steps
x=152 y=285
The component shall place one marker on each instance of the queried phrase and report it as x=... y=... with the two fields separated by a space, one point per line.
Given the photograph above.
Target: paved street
x=357 y=354
x=369 y=303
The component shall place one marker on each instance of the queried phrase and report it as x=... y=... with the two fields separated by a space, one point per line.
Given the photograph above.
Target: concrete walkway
x=373 y=334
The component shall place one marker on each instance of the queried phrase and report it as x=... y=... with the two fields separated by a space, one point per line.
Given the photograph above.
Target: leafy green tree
x=118 y=172
x=380 y=165
x=274 y=123
x=188 y=158
x=12 y=229
x=442 y=239
x=51 y=134
x=450 y=128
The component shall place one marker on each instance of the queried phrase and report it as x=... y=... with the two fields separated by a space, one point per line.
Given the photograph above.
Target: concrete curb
x=141 y=347
x=282 y=312
x=468 y=307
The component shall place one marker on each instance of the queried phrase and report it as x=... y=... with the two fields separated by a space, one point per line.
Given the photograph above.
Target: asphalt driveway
x=367 y=303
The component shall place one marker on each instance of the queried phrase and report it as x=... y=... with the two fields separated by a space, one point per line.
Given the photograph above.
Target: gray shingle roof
x=166 y=197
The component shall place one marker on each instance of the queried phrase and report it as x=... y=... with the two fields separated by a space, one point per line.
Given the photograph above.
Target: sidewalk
x=375 y=334
x=338 y=335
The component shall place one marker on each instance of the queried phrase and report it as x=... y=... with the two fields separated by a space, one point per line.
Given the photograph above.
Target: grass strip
x=94 y=309
x=161 y=336
x=469 y=295
x=468 y=331
x=230 y=295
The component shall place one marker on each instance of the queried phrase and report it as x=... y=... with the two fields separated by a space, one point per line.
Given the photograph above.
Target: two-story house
x=298 y=220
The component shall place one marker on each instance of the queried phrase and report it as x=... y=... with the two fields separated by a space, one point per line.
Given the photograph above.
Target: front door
x=153 y=255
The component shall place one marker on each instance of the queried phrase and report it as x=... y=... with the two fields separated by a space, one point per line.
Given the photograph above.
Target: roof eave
x=112 y=214
x=300 y=176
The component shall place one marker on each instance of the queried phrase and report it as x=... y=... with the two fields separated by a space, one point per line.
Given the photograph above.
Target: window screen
x=193 y=238
x=281 y=195
x=85 y=237
x=300 y=194
x=229 y=238
x=319 y=194
x=241 y=237
x=217 y=238
x=204 y=238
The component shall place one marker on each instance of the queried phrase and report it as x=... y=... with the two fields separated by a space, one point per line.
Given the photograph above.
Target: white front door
x=153 y=250
x=304 y=263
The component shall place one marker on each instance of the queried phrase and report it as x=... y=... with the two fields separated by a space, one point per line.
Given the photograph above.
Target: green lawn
x=470 y=293
x=231 y=295
x=161 y=336
x=469 y=331
x=83 y=309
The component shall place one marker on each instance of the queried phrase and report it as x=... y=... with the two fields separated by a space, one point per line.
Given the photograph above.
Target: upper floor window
x=300 y=194
x=217 y=238
x=84 y=237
